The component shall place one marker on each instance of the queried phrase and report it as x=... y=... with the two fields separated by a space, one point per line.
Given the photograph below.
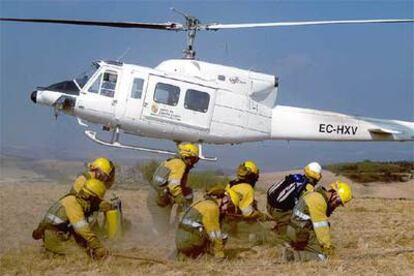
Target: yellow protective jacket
x=242 y=196
x=311 y=213
x=69 y=213
x=177 y=179
x=206 y=214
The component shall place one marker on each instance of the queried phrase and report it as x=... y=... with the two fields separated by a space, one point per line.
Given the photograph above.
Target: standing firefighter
x=199 y=230
x=240 y=192
x=308 y=230
x=65 y=230
x=282 y=196
x=170 y=186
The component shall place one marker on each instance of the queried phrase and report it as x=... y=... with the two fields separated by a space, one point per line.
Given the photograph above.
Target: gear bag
x=283 y=195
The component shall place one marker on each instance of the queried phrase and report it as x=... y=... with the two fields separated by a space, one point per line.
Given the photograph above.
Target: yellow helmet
x=343 y=190
x=188 y=150
x=94 y=187
x=313 y=170
x=247 y=168
x=103 y=164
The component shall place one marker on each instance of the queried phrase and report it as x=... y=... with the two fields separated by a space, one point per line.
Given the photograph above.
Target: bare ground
x=374 y=235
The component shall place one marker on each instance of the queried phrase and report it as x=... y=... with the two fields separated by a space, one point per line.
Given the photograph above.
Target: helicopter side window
x=136 y=91
x=196 y=100
x=108 y=84
x=166 y=94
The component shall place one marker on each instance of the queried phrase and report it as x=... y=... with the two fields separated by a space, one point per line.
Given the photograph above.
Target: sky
x=354 y=69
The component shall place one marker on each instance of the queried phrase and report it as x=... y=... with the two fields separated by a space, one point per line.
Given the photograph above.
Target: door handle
x=114 y=102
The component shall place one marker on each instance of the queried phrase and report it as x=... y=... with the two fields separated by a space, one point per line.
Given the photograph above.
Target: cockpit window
x=108 y=84
x=83 y=78
x=104 y=84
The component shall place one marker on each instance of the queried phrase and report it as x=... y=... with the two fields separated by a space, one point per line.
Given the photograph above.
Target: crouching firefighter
x=239 y=201
x=65 y=230
x=199 y=229
x=308 y=231
x=169 y=184
x=283 y=195
x=102 y=169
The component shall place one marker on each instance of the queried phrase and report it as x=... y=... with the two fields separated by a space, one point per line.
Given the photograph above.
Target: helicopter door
x=135 y=96
x=162 y=100
x=98 y=100
x=180 y=102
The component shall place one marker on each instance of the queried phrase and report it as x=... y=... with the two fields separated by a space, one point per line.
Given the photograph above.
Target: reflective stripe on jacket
x=177 y=179
x=70 y=212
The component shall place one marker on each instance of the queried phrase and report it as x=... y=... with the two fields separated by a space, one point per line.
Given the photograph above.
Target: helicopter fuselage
x=189 y=100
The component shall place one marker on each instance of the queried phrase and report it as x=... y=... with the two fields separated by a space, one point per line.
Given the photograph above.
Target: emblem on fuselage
x=154 y=108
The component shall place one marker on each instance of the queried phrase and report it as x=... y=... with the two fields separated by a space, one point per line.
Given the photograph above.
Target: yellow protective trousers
x=61 y=243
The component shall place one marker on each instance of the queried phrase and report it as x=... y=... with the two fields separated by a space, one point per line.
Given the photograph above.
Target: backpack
x=160 y=177
x=285 y=193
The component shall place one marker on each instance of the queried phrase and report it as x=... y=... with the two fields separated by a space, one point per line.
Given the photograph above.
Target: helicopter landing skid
x=115 y=144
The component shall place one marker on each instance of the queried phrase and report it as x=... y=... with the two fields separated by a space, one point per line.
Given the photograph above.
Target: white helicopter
x=190 y=100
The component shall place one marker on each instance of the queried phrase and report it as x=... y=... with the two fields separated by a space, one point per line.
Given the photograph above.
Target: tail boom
x=292 y=123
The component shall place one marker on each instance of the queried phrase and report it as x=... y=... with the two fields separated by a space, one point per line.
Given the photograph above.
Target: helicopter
x=191 y=100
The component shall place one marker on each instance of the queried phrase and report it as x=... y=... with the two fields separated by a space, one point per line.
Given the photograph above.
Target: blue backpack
x=284 y=194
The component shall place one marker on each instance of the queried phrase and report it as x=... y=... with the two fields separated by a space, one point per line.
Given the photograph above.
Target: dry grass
x=372 y=236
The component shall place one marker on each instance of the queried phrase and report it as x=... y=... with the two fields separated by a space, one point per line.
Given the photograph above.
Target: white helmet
x=313 y=170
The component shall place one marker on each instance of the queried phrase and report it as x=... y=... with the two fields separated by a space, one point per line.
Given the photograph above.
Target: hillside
x=373 y=235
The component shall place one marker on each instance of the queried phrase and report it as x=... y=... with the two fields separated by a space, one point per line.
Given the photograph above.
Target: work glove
x=38 y=234
x=106 y=206
x=329 y=251
x=181 y=201
x=100 y=253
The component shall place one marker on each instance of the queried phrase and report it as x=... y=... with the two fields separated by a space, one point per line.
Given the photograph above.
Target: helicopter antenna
x=124 y=53
x=192 y=25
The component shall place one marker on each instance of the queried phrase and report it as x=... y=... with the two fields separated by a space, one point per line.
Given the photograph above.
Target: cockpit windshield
x=83 y=78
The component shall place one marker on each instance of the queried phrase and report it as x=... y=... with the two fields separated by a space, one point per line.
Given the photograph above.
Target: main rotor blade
x=303 y=23
x=170 y=26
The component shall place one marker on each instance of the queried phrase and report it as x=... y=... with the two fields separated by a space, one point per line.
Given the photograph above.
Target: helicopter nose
x=33 y=96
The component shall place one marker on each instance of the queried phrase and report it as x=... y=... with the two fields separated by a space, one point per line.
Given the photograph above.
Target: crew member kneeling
x=65 y=230
x=308 y=231
x=199 y=230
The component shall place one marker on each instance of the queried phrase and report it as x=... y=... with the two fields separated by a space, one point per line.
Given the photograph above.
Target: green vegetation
x=147 y=169
x=371 y=171
x=198 y=179
x=203 y=180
